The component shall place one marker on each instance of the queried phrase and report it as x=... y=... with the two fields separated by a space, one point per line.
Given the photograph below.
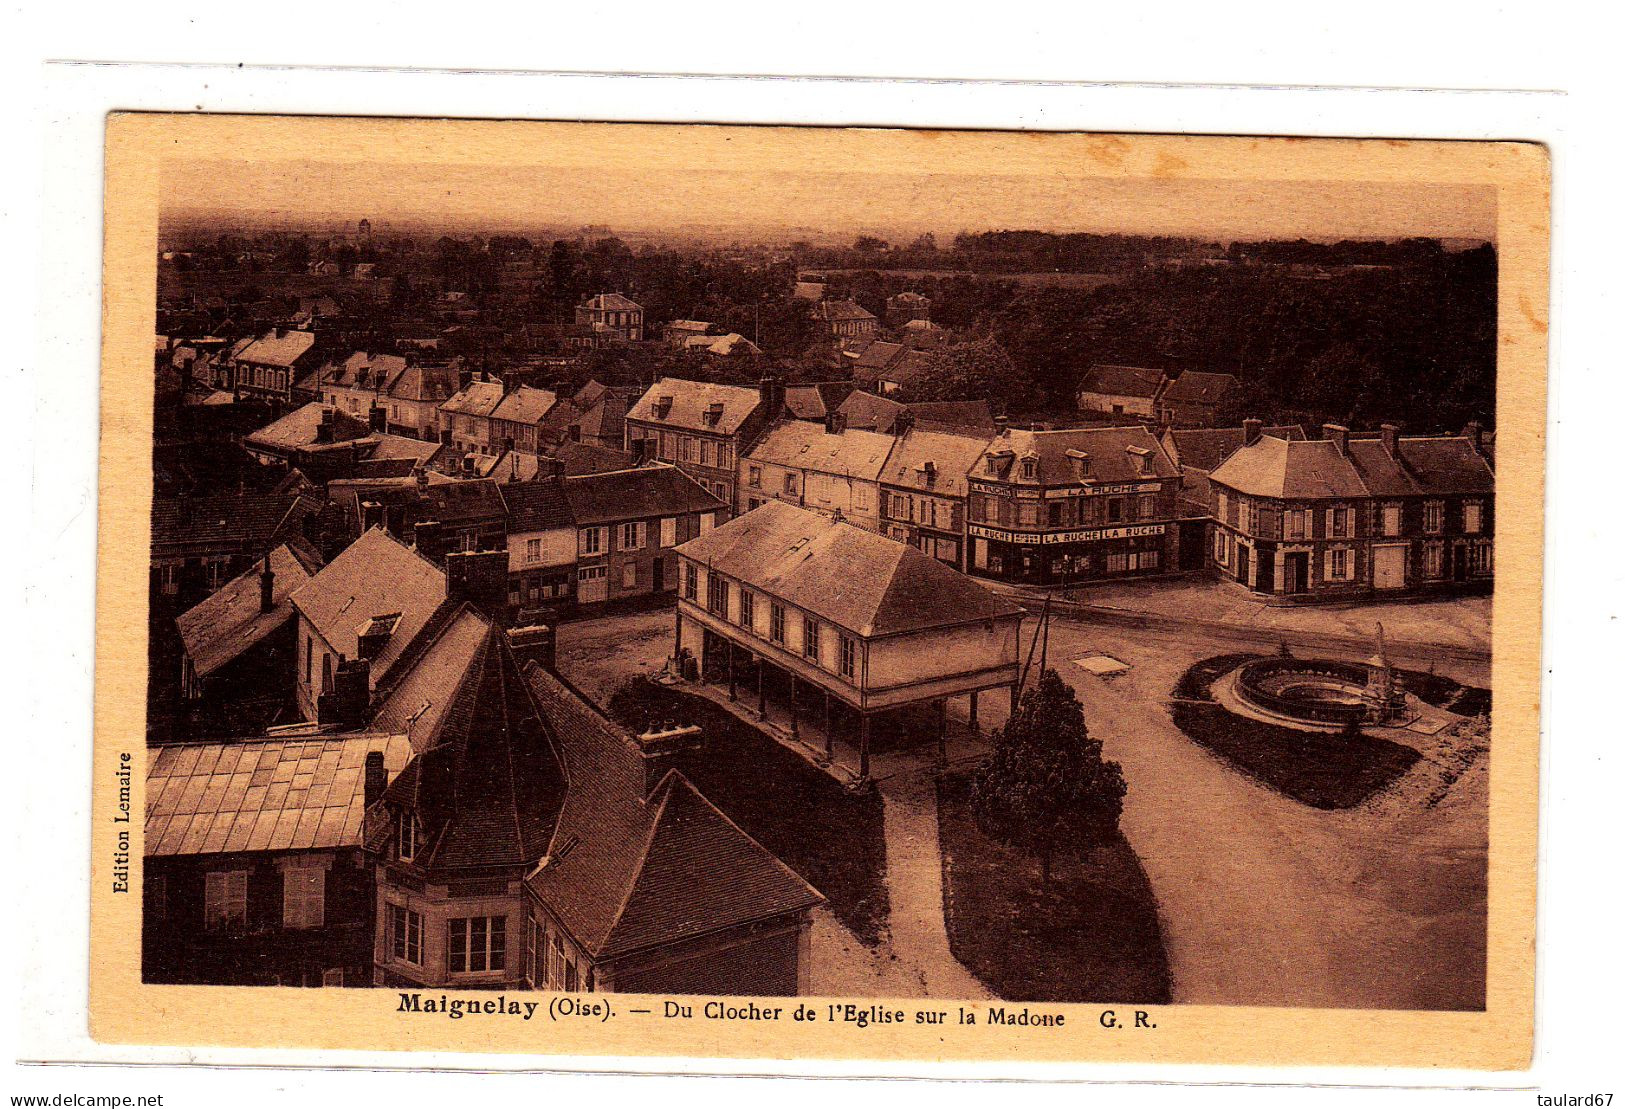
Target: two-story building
x=925 y=490
x=628 y=523
x=465 y=417
x=1341 y=515
x=821 y=466
x=1112 y=390
x=614 y=315
x=273 y=363
x=856 y=623
x=1074 y=505
x=845 y=319
x=530 y=420
x=702 y=428
x=541 y=544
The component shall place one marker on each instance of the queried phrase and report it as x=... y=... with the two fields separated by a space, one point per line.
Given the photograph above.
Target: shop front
x=1065 y=557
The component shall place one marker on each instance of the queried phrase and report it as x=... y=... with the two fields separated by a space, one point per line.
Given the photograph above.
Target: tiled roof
x=298 y=428
x=698 y=327
x=536 y=506
x=425 y=383
x=639 y=494
x=403 y=447
x=1196 y=387
x=583 y=458
x=815 y=400
x=361 y=370
x=525 y=405
x=868 y=412
x=805 y=445
x=966 y=414
x=835 y=311
x=1446 y=464
x=878 y=355
x=479 y=398
x=605 y=418
x=841 y=573
x=416 y=703
x=952 y=456
x=643 y=872
x=262 y=794
x=374 y=575
x=456 y=502
x=1121 y=381
x=1113 y=454
x=490 y=786
x=910 y=367
x=278 y=349
x=691 y=399
x=613 y=302
x=1204 y=448
x=229 y=621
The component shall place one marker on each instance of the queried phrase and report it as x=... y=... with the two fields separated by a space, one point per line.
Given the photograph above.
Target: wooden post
x=863 y=748
x=732 y=696
x=975 y=728
x=795 y=724
x=829 y=731
x=761 y=688
x=942 y=731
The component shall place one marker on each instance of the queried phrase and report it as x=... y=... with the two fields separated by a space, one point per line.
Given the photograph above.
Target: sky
x=833 y=201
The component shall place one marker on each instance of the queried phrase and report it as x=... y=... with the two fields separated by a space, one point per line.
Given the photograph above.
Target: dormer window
x=408 y=836
x=1082 y=465
x=713 y=414
x=662 y=407
x=1142 y=459
x=1029 y=468
x=992 y=466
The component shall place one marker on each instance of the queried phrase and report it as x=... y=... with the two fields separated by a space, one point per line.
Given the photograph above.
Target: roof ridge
x=635 y=871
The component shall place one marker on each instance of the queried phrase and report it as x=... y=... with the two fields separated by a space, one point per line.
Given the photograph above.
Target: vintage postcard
x=816 y=593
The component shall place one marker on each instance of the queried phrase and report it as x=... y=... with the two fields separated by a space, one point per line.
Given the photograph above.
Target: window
x=592 y=573
x=705 y=452
x=1147 y=509
x=406 y=934
x=477 y=944
x=310 y=651
x=809 y=637
x=592 y=540
x=1224 y=508
x=1390 y=519
x=716 y=594
x=1294 y=523
x=1433 y=560
x=1029 y=469
x=708 y=520
x=1337 y=523
x=1472 y=517
x=691 y=581
x=1433 y=517
x=668 y=531
x=533 y=550
x=849 y=657
x=1480 y=558
x=755 y=477
x=1055 y=515
x=303 y=896
x=169 y=579
x=217 y=569
x=1338 y=566
x=1114 y=510
x=790 y=484
x=225 y=899
x=747 y=610
x=1252 y=518
x=775 y=621
x=1027 y=514
x=632 y=535
x=860 y=497
x=408 y=836
x=629 y=575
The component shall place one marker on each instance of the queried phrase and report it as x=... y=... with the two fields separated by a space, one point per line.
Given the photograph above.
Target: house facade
x=1074 y=505
x=821 y=466
x=845 y=319
x=1348 y=516
x=628 y=523
x=271 y=365
x=614 y=315
x=465 y=417
x=701 y=428
x=1112 y=390
x=541 y=544
x=925 y=491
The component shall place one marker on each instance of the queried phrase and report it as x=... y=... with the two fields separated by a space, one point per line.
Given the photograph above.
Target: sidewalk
x=1457 y=626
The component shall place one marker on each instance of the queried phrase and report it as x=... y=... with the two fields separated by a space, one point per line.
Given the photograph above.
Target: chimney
x=904 y=422
x=480 y=578
x=834 y=423
x=1002 y=423
x=1337 y=435
x=930 y=473
x=468 y=465
x=375 y=419
x=771 y=392
x=351 y=696
x=1390 y=440
x=445 y=437
x=267 y=584
x=1251 y=431
x=324 y=430
x=426 y=538
x=1474 y=434
x=534 y=643
x=420 y=474
x=661 y=749
x=374 y=779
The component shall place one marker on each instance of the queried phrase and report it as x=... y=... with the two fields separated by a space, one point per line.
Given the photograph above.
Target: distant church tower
x=364 y=230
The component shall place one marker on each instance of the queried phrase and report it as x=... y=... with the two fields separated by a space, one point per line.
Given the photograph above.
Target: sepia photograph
x=751 y=568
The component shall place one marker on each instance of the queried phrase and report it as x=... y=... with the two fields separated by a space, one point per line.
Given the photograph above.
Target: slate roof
x=298 y=428
x=952 y=455
x=639 y=494
x=843 y=574
x=361 y=370
x=425 y=383
x=229 y=622
x=1204 y=448
x=968 y=414
x=1423 y=466
x=604 y=419
x=1290 y=470
x=585 y=458
x=878 y=355
x=537 y=506
x=376 y=574
x=810 y=446
x=458 y=502
x=815 y=400
x=1121 y=381
x=261 y=794
x=868 y=412
x=489 y=787
x=1113 y=454
x=691 y=399
x=226 y=522
x=272 y=349
x=910 y=367
x=419 y=697
x=645 y=872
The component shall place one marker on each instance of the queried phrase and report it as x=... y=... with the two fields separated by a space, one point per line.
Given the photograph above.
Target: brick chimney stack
x=1337 y=435
x=1390 y=440
x=374 y=779
x=480 y=578
x=346 y=704
x=1251 y=431
x=267 y=584
x=661 y=748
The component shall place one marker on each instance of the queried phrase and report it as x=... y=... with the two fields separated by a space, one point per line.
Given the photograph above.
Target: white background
x=1545 y=72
